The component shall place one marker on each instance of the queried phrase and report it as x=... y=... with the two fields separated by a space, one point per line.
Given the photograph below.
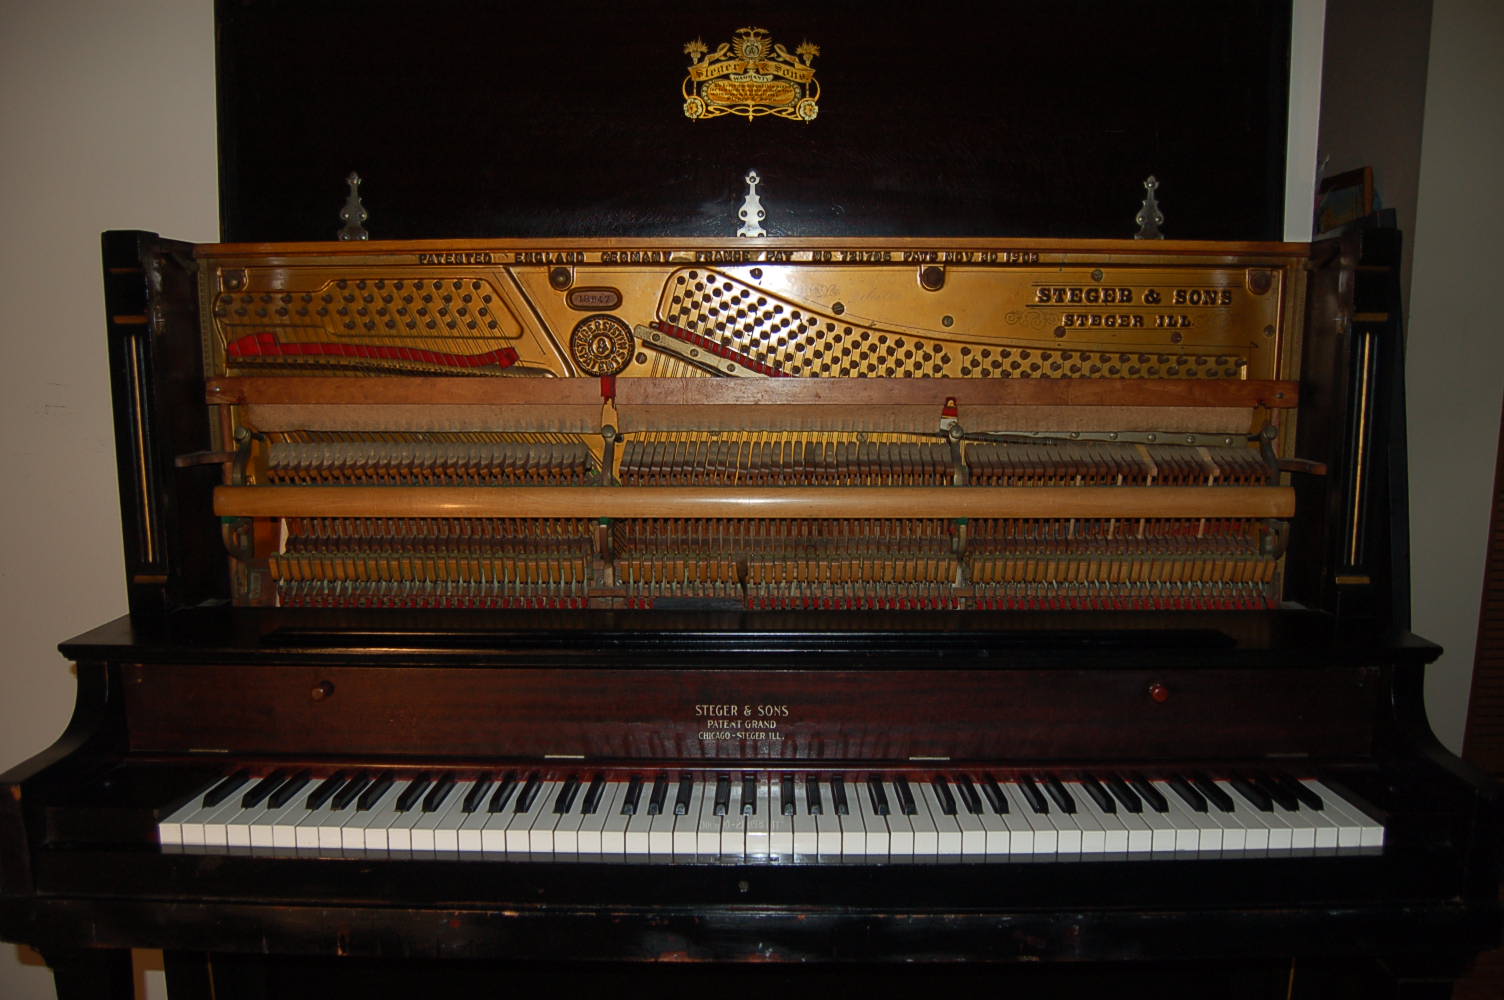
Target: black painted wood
x=1014 y=118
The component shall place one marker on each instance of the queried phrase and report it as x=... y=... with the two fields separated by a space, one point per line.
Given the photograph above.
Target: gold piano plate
x=789 y=307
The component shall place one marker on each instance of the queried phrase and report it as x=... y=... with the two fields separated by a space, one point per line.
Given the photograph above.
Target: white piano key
x=542 y=840
x=661 y=825
x=687 y=827
x=879 y=838
x=708 y=830
x=1093 y=835
x=1161 y=828
x=1114 y=832
x=399 y=831
x=238 y=827
x=1356 y=827
x=1255 y=826
x=538 y=840
x=970 y=831
x=1325 y=825
x=319 y=830
x=781 y=825
x=614 y=829
x=589 y=839
x=493 y=835
x=425 y=829
x=900 y=828
x=1067 y=829
x=997 y=831
x=853 y=824
x=170 y=827
x=446 y=834
x=1182 y=819
x=806 y=832
x=352 y=836
x=1140 y=833
x=947 y=828
x=468 y=835
x=926 y=832
x=827 y=824
x=759 y=824
x=263 y=826
x=1302 y=826
x=1019 y=840
x=376 y=822
x=1195 y=831
x=1045 y=837
x=1234 y=837
x=205 y=827
x=734 y=824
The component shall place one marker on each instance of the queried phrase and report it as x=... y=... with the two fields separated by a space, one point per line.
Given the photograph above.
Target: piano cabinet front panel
x=709 y=713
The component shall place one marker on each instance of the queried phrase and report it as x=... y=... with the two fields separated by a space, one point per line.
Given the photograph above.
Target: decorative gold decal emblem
x=601 y=345
x=752 y=76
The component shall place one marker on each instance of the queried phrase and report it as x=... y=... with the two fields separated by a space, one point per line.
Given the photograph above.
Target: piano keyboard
x=737 y=816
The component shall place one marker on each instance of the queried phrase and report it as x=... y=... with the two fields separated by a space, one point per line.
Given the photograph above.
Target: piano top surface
x=1290 y=637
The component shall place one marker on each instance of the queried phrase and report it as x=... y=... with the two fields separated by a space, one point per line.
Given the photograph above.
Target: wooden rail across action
x=777 y=501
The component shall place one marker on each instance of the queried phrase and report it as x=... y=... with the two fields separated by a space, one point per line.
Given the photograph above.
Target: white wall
x=107 y=123
x=1455 y=372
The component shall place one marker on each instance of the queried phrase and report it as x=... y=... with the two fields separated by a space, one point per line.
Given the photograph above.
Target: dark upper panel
x=1010 y=118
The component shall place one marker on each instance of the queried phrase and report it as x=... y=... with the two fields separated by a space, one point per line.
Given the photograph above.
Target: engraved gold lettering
x=549 y=257
x=1201 y=297
x=463 y=257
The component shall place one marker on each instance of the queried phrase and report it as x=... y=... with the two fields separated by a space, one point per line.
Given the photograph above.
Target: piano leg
x=91 y=973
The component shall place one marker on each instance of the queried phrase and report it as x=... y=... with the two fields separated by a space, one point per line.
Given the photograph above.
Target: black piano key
x=812 y=796
x=1098 y=794
x=995 y=797
x=352 y=789
x=684 y=794
x=790 y=805
x=413 y=792
x=1127 y=796
x=374 y=793
x=503 y=793
x=227 y=787
x=476 y=795
x=289 y=790
x=1150 y=794
x=969 y=797
x=593 y=794
x=1304 y=793
x=749 y=794
x=878 y=795
x=262 y=790
x=838 y=795
x=327 y=789
x=1282 y=797
x=438 y=793
x=943 y=793
x=1189 y=795
x=905 y=796
x=1059 y=793
x=658 y=798
x=633 y=798
x=1255 y=796
x=1213 y=792
x=564 y=801
x=529 y=793
x=1031 y=794
x=722 y=804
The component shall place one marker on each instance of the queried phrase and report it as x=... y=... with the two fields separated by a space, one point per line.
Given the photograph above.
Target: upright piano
x=881 y=611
